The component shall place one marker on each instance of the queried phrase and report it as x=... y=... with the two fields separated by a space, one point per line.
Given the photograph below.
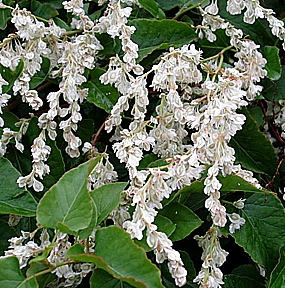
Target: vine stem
x=99 y=132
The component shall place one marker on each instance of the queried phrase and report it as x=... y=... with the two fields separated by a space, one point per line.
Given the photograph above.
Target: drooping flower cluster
x=40 y=152
x=213 y=256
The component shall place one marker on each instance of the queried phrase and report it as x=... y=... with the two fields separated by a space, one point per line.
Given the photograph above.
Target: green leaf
x=107 y=198
x=273 y=66
x=253 y=150
x=185 y=220
x=170 y=4
x=101 y=278
x=14 y=200
x=11 y=275
x=151 y=35
x=44 y=10
x=193 y=196
x=263 y=233
x=250 y=271
x=153 y=8
x=5 y=14
x=102 y=96
x=44 y=279
x=75 y=250
x=10 y=76
x=257 y=114
x=57 y=4
x=129 y=263
x=85 y=233
x=232 y=183
x=41 y=75
x=274 y=91
x=67 y=205
x=277 y=277
x=7 y=232
x=234 y=281
x=146 y=160
x=9 y=119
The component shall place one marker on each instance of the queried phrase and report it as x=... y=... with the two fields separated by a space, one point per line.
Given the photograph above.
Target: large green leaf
x=10 y=75
x=234 y=281
x=41 y=75
x=67 y=205
x=129 y=262
x=153 y=8
x=44 y=10
x=11 y=275
x=263 y=233
x=103 y=96
x=253 y=150
x=250 y=271
x=185 y=220
x=151 y=35
x=194 y=198
x=14 y=200
x=277 y=278
x=107 y=198
x=101 y=278
x=273 y=66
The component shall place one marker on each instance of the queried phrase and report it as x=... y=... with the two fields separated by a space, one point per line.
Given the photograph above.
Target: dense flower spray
x=194 y=121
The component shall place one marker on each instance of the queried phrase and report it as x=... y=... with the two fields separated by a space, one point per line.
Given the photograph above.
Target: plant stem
x=48 y=270
x=180 y=13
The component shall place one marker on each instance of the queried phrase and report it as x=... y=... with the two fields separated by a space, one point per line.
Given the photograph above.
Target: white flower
x=236 y=222
x=239 y=204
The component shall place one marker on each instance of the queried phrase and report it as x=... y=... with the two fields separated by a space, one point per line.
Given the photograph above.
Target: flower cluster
x=40 y=152
x=213 y=256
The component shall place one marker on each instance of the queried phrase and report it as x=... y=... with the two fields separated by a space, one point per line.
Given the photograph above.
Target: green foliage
x=253 y=149
x=102 y=96
x=128 y=264
x=262 y=235
x=14 y=200
x=153 y=35
x=107 y=198
x=277 y=278
x=67 y=205
x=11 y=275
x=9 y=75
x=185 y=220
